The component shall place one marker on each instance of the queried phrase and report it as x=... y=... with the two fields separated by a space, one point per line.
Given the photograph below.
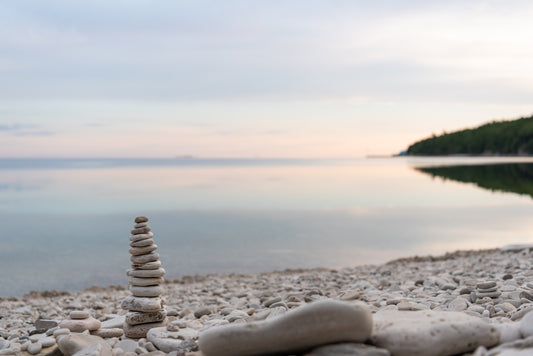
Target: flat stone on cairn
x=145 y=307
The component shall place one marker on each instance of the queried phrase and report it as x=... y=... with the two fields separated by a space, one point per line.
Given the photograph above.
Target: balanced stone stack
x=487 y=289
x=145 y=306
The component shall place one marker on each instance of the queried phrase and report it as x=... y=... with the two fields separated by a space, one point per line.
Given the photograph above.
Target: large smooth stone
x=136 y=251
x=80 y=325
x=146 y=273
x=72 y=343
x=526 y=325
x=138 y=331
x=136 y=281
x=348 y=349
x=134 y=318
x=311 y=325
x=141 y=304
x=431 y=333
x=152 y=291
x=149 y=257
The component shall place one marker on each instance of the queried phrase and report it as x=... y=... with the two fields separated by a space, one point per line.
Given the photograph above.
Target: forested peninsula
x=514 y=137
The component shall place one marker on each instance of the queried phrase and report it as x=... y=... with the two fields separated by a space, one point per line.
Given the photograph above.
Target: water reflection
x=67 y=227
x=514 y=178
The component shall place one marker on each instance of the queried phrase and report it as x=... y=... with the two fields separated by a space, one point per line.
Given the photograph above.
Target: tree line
x=495 y=138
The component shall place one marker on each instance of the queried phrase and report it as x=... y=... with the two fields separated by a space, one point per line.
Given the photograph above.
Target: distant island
x=509 y=137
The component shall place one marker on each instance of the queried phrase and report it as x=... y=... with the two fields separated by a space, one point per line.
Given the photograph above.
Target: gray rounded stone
x=142 y=282
x=141 y=230
x=79 y=314
x=140 y=330
x=318 y=323
x=147 y=265
x=135 y=251
x=152 y=291
x=134 y=318
x=141 y=304
x=141 y=219
x=141 y=237
x=141 y=259
x=34 y=348
x=144 y=273
x=142 y=243
x=80 y=325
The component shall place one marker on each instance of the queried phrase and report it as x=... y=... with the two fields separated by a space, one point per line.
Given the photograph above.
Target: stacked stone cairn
x=487 y=289
x=145 y=306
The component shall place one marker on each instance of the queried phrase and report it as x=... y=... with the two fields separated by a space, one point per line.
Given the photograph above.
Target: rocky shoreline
x=476 y=301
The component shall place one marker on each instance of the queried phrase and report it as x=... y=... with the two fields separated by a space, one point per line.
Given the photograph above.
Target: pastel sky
x=247 y=78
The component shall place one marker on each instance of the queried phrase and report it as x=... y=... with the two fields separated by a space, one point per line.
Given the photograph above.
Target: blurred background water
x=66 y=222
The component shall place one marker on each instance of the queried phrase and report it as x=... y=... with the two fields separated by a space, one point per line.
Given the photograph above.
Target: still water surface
x=66 y=222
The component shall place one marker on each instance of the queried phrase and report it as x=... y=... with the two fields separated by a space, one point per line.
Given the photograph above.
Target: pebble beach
x=466 y=302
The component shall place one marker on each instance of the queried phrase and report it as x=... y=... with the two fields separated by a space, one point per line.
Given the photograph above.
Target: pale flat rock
x=314 y=324
x=141 y=259
x=141 y=230
x=147 y=265
x=526 y=325
x=151 y=291
x=135 y=251
x=142 y=243
x=79 y=314
x=348 y=349
x=73 y=343
x=163 y=339
x=169 y=341
x=146 y=273
x=138 y=331
x=142 y=282
x=115 y=322
x=447 y=333
x=141 y=224
x=108 y=332
x=141 y=304
x=141 y=236
x=80 y=325
x=134 y=318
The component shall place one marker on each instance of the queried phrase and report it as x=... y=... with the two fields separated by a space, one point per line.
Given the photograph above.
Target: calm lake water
x=66 y=222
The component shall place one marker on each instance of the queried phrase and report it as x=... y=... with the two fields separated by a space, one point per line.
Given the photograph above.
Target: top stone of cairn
x=141 y=219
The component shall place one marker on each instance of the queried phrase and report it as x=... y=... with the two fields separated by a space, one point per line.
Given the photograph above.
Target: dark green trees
x=495 y=138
